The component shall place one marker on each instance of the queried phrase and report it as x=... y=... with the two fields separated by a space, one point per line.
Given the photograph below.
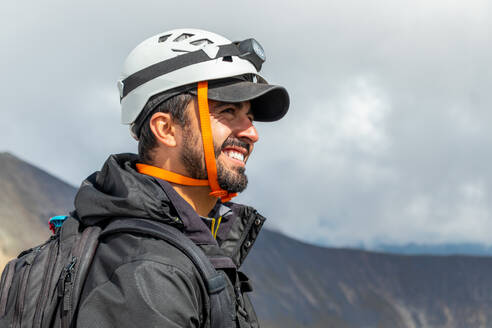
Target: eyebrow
x=236 y=105
x=226 y=104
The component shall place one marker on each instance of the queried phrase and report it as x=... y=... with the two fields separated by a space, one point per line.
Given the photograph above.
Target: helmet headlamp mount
x=252 y=51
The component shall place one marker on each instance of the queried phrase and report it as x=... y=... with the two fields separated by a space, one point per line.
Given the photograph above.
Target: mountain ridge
x=63 y=204
x=30 y=196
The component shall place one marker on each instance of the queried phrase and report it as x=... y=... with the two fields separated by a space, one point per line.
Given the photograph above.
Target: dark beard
x=233 y=181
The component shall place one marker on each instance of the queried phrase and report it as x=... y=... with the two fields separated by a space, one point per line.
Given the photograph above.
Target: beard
x=230 y=179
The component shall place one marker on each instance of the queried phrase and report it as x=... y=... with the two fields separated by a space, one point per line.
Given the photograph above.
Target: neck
x=197 y=194
x=197 y=197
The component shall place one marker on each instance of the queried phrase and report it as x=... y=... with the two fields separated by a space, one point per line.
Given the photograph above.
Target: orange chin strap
x=208 y=149
x=157 y=172
x=208 y=144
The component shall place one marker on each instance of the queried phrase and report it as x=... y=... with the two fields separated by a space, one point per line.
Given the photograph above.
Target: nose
x=248 y=130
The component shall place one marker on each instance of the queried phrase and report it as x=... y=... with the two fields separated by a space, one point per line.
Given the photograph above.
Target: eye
x=228 y=110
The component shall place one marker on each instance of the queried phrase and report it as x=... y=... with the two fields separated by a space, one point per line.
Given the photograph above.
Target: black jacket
x=138 y=281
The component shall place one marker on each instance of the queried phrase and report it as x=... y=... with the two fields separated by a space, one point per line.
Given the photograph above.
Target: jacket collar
x=236 y=235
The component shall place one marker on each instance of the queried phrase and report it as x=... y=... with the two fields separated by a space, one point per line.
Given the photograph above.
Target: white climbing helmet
x=174 y=61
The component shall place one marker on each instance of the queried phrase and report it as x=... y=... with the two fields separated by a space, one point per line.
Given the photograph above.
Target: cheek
x=220 y=133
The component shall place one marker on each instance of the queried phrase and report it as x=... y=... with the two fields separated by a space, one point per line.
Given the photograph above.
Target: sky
x=387 y=139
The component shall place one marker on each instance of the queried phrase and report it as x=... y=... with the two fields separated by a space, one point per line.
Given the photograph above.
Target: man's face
x=233 y=135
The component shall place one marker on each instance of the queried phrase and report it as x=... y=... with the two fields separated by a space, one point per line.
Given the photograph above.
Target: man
x=190 y=98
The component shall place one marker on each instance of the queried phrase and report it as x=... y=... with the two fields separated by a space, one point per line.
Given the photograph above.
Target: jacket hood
x=118 y=190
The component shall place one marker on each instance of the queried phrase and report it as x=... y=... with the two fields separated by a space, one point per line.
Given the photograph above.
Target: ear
x=163 y=128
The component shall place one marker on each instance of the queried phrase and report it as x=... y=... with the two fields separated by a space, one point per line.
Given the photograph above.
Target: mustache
x=231 y=141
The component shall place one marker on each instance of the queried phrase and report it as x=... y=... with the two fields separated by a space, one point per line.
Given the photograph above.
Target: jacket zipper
x=68 y=277
x=43 y=298
x=65 y=291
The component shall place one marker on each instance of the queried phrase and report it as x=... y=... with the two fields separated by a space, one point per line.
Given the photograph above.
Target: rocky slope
x=300 y=285
x=28 y=198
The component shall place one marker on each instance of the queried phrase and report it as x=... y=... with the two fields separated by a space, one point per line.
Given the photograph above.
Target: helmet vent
x=200 y=42
x=182 y=37
x=164 y=38
x=227 y=59
x=179 y=50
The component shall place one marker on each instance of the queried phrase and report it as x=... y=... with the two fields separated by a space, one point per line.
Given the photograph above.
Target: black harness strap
x=221 y=306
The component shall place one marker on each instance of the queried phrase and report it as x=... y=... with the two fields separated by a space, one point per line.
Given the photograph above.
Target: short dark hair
x=176 y=106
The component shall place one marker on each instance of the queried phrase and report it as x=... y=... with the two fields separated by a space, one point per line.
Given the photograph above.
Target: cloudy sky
x=387 y=139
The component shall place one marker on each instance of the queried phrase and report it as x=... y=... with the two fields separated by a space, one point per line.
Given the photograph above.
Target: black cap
x=268 y=102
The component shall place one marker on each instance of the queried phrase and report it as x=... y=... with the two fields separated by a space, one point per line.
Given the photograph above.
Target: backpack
x=41 y=288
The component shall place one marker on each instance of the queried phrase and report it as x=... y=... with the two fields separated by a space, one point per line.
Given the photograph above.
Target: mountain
x=295 y=284
x=301 y=285
x=28 y=198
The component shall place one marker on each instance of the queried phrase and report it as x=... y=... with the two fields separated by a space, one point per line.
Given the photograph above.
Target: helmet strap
x=208 y=150
x=208 y=144
x=169 y=176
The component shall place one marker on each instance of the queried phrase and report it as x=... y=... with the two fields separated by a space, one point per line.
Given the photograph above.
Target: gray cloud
x=387 y=138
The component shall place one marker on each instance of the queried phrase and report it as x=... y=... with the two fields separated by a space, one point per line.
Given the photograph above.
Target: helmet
x=207 y=65
x=169 y=61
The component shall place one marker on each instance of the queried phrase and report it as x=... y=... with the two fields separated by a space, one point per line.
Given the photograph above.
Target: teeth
x=236 y=155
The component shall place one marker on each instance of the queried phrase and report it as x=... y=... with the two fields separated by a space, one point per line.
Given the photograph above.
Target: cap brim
x=268 y=102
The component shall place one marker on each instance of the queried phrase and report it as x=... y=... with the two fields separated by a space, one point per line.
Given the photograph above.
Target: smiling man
x=191 y=98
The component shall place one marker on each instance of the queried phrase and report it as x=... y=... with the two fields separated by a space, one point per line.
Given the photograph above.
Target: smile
x=235 y=155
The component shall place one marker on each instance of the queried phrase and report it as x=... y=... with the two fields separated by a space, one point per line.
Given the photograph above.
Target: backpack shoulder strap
x=79 y=244
x=221 y=310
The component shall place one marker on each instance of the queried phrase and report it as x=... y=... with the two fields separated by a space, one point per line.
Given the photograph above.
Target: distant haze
x=387 y=139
